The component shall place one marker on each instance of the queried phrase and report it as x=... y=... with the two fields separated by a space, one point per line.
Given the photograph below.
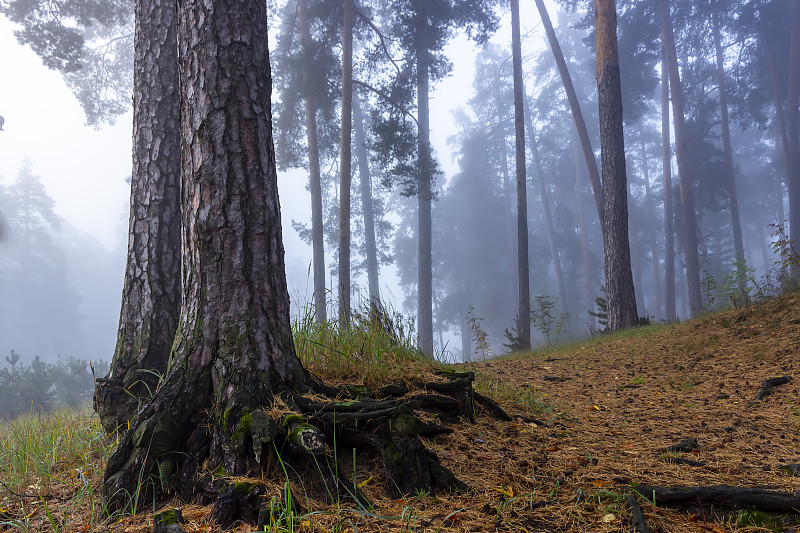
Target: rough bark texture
x=524 y=316
x=547 y=212
x=666 y=163
x=690 y=244
x=233 y=348
x=151 y=294
x=424 y=198
x=315 y=181
x=345 y=174
x=367 y=209
x=730 y=181
x=794 y=132
x=577 y=115
x=620 y=293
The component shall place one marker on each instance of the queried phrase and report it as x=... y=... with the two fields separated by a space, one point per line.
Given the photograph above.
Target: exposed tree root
x=722 y=496
x=157 y=457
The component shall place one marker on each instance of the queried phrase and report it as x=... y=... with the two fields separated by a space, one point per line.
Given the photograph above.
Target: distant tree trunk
x=366 y=201
x=684 y=171
x=345 y=168
x=577 y=115
x=315 y=180
x=666 y=163
x=524 y=316
x=780 y=120
x=794 y=132
x=583 y=236
x=507 y=191
x=233 y=349
x=546 y=211
x=466 y=340
x=651 y=209
x=424 y=199
x=151 y=294
x=736 y=223
x=620 y=293
x=637 y=253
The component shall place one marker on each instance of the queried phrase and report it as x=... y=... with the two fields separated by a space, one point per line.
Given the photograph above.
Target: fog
x=64 y=189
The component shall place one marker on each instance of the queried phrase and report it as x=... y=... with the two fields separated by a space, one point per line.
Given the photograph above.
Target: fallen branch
x=638 y=524
x=686 y=445
x=722 y=496
x=682 y=461
x=767 y=385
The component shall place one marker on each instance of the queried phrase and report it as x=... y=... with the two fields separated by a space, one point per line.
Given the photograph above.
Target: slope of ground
x=610 y=407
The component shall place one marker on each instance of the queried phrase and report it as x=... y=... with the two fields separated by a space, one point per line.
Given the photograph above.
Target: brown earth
x=610 y=407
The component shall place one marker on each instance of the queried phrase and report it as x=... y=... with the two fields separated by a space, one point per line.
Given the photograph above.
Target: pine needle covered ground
x=611 y=405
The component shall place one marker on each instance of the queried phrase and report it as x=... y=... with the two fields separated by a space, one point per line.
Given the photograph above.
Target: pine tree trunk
x=666 y=163
x=577 y=115
x=547 y=212
x=736 y=223
x=424 y=198
x=620 y=293
x=345 y=174
x=367 y=208
x=684 y=171
x=794 y=132
x=315 y=179
x=233 y=348
x=524 y=316
x=583 y=237
x=781 y=122
x=651 y=208
x=151 y=294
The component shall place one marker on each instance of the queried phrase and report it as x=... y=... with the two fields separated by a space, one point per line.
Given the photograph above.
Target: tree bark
x=736 y=224
x=151 y=294
x=620 y=293
x=345 y=174
x=780 y=120
x=424 y=198
x=546 y=211
x=684 y=170
x=524 y=316
x=233 y=348
x=666 y=163
x=651 y=208
x=794 y=133
x=577 y=115
x=315 y=179
x=367 y=208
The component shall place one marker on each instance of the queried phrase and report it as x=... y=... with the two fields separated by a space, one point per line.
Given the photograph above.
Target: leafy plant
x=482 y=347
x=545 y=321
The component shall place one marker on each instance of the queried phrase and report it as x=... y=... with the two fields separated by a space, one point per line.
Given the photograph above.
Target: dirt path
x=620 y=402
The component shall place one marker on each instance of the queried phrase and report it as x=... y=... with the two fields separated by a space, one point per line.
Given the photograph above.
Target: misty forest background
x=60 y=289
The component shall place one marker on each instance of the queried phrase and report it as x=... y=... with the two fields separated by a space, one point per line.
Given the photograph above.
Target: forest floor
x=610 y=407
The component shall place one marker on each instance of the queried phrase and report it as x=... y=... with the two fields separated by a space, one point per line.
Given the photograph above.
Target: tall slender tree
x=524 y=315
x=620 y=293
x=666 y=165
x=685 y=178
x=367 y=205
x=730 y=177
x=574 y=104
x=151 y=293
x=346 y=153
